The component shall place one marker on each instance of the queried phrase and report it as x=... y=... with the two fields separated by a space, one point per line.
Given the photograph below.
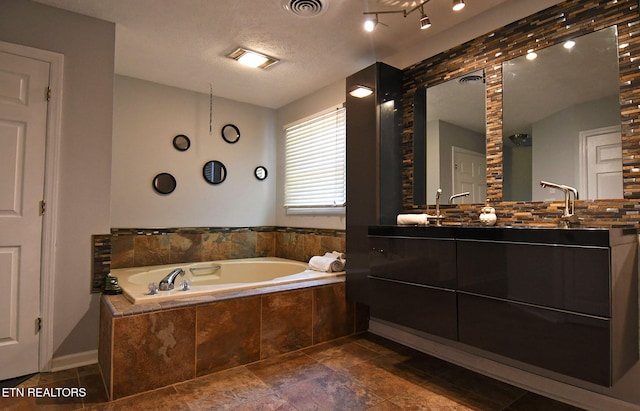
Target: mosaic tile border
x=543 y=29
x=101 y=264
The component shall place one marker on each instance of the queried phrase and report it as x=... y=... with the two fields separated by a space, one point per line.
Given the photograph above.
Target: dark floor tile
x=385 y=406
x=535 y=402
x=159 y=400
x=44 y=378
x=419 y=398
x=271 y=402
x=342 y=355
x=288 y=369
x=329 y=392
x=14 y=382
x=378 y=344
x=498 y=392
x=96 y=392
x=383 y=382
x=223 y=390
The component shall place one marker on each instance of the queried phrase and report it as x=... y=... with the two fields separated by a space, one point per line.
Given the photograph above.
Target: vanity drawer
x=573 y=278
x=422 y=308
x=425 y=261
x=570 y=344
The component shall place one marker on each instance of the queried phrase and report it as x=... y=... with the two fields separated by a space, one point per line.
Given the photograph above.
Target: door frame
x=52 y=163
x=455 y=150
x=582 y=150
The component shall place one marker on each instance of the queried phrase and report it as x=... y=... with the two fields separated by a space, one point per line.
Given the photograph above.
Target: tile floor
x=363 y=372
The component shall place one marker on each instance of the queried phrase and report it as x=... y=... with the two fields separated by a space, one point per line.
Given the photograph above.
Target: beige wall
x=85 y=155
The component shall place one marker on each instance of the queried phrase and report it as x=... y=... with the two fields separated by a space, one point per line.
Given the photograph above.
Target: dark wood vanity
x=564 y=300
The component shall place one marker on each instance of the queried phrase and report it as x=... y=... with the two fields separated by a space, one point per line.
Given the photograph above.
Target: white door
x=23 y=121
x=602 y=166
x=469 y=174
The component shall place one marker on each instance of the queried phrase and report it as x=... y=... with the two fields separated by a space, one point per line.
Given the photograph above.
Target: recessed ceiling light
x=569 y=44
x=252 y=58
x=361 y=91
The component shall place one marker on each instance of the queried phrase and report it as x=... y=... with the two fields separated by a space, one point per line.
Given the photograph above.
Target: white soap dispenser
x=488 y=216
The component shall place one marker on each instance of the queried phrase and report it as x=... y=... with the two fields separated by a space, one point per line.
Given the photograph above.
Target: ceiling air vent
x=305 y=8
x=470 y=79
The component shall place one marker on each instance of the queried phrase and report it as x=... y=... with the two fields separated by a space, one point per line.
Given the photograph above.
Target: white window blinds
x=315 y=177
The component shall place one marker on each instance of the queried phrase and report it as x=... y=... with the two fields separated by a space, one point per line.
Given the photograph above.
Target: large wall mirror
x=561 y=120
x=450 y=140
x=588 y=97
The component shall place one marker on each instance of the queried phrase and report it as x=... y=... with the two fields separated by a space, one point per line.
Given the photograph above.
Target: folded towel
x=335 y=254
x=328 y=263
x=412 y=219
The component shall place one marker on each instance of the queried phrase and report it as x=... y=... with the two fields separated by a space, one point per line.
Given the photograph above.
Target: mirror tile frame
x=543 y=29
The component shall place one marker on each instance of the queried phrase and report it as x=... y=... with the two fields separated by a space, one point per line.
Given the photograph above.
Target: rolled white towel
x=335 y=254
x=412 y=219
x=326 y=264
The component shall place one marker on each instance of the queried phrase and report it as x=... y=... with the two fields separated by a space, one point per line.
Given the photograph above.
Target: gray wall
x=146 y=118
x=84 y=182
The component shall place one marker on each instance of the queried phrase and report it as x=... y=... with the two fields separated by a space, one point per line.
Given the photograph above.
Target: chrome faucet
x=568 y=214
x=167 y=283
x=438 y=217
x=466 y=193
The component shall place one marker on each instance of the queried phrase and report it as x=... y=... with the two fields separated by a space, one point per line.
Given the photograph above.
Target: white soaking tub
x=212 y=277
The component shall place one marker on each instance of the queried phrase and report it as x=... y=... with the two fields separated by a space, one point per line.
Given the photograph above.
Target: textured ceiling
x=183 y=43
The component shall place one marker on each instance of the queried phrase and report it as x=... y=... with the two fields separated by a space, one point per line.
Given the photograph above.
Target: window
x=315 y=172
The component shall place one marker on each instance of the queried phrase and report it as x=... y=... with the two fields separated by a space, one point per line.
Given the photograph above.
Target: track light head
x=371 y=23
x=425 y=23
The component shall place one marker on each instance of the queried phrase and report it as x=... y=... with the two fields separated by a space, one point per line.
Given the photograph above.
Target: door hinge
x=43 y=207
x=48 y=94
x=38 y=324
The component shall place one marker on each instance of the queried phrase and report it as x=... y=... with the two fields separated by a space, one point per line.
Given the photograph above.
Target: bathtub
x=213 y=277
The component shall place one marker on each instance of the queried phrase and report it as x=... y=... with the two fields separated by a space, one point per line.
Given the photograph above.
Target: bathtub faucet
x=167 y=282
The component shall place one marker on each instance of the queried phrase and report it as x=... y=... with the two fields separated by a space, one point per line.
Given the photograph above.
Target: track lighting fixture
x=371 y=22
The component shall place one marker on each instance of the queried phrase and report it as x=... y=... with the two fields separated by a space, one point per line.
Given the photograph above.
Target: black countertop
x=581 y=236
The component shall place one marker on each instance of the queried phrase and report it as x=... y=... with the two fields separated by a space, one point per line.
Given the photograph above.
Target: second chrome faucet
x=568 y=215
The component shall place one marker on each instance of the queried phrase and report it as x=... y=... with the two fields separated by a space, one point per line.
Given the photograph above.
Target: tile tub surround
x=141 y=247
x=546 y=28
x=150 y=346
x=137 y=247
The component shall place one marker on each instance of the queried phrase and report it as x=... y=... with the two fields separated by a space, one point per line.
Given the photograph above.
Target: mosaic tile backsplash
x=129 y=247
x=546 y=28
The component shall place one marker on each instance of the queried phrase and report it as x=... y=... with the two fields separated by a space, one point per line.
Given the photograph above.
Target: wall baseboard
x=538 y=384
x=80 y=359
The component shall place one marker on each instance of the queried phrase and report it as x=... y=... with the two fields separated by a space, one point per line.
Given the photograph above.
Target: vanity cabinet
x=413 y=283
x=563 y=300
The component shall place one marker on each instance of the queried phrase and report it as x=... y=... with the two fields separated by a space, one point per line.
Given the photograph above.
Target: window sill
x=316 y=211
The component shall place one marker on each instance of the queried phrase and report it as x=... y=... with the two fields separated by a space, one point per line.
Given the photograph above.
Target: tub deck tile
x=228 y=334
x=153 y=350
